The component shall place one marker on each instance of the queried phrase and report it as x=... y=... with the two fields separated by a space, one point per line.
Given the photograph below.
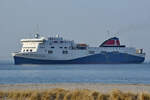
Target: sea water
x=75 y=73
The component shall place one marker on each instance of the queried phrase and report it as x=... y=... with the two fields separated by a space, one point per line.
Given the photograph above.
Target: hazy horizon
x=85 y=21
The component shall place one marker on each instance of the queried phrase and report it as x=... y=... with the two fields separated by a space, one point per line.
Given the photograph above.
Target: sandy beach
x=71 y=86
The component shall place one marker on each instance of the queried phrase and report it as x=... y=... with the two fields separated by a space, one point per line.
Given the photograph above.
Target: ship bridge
x=31 y=45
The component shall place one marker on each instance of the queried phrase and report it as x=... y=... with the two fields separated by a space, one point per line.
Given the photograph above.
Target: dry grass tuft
x=35 y=96
x=62 y=94
x=116 y=95
x=144 y=96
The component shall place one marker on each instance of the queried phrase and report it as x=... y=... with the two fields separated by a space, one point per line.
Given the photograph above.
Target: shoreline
x=101 y=87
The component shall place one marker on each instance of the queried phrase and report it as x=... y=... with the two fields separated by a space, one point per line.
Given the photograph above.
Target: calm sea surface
x=92 y=73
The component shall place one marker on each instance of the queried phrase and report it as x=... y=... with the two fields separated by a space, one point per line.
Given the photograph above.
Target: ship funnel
x=112 y=42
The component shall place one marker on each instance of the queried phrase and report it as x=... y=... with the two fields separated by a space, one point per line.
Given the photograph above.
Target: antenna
x=117 y=34
x=109 y=33
x=37 y=28
x=37 y=31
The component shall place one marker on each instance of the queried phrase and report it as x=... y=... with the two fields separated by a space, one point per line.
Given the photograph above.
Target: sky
x=85 y=21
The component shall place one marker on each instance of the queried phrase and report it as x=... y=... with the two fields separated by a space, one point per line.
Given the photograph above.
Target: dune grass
x=62 y=94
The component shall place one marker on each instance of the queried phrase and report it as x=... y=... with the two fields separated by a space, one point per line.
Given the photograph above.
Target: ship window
x=61 y=41
x=55 y=41
x=70 y=47
x=23 y=50
x=50 y=52
x=42 y=47
x=50 y=43
x=45 y=50
x=52 y=47
x=27 y=50
x=65 y=47
x=61 y=47
x=91 y=52
x=30 y=50
x=65 y=52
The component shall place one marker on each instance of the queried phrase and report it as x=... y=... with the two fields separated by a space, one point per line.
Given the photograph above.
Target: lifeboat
x=82 y=46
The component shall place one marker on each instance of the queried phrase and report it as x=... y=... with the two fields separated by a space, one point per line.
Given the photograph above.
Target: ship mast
x=36 y=35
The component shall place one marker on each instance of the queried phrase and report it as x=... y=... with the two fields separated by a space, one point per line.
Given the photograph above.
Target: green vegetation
x=61 y=94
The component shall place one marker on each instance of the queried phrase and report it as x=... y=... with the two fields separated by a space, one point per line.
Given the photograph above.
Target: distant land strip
x=71 y=86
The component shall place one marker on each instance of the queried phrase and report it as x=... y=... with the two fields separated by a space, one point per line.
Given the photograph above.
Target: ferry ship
x=56 y=50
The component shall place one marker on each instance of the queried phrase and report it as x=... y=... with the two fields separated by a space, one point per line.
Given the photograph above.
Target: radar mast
x=36 y=35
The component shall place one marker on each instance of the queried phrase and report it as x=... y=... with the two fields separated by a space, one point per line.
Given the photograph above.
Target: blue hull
x=106 y=58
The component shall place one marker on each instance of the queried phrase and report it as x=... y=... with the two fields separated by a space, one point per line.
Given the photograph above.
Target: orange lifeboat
x=82 y=45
